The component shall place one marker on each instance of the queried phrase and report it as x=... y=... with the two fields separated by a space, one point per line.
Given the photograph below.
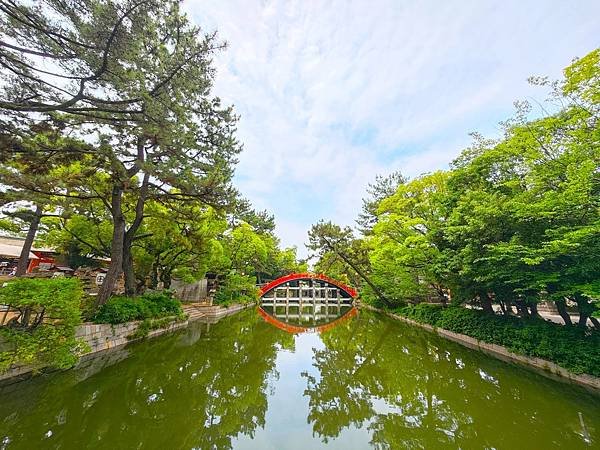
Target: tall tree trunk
x=583 y=318
x=585 y=310
x=486 y=303
x=165 y=277
x=128 y=269
x=28 y=243
x=533 y=308
x=154 y=274
x=26 y=317
x=561 y=306
x=522 y=308
x=116 y=249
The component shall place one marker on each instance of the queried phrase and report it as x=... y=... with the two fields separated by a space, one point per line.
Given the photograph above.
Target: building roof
x=13 y=251
x=18 y=242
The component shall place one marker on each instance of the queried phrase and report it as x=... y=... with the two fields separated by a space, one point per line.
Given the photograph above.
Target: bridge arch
x=296 y=328
x=307 y=276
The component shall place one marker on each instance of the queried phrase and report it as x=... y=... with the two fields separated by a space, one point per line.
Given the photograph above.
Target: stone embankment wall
x=103 y=337
x=542 y=366
x=216 y=312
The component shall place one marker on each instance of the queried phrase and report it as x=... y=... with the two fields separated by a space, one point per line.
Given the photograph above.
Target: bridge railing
x=290 y=295
x=307 y=276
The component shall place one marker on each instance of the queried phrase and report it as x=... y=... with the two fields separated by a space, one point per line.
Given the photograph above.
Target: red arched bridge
x=306 y=288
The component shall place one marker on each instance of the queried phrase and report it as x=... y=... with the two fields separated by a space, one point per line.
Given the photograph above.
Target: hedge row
x=148 y=306
x=571 y=347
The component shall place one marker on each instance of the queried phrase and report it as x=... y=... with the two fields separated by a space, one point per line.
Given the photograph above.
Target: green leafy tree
x=327 y=238
x=32 y=169
x=139 y=75
x=404 y=245
x=43 y=332
x=185 y=242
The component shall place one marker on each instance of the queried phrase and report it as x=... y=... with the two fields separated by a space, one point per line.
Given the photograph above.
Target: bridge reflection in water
x=299 y=303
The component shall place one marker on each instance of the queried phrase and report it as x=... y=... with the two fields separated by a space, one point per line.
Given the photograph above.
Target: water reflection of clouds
x=286 y=426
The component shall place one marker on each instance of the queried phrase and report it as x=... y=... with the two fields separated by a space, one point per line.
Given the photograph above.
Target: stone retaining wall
x=216 y=312
x=103 y=337
x=542 y=366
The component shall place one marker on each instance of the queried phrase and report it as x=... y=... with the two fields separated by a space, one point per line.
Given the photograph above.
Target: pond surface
x=243 y=383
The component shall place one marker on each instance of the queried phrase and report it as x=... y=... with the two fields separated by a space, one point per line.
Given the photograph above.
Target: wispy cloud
x=331 y=93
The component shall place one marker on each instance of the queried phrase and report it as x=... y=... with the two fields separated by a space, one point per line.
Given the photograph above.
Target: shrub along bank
x=39 y=318
x=571 y=347
x=42 y=333
x=121 y=309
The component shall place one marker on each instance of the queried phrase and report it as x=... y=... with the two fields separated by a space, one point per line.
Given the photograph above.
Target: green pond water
x=243 y=383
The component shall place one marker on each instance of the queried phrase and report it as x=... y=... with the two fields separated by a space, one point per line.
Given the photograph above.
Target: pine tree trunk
x=361 y=274
x=28 y=243
x=116 y=250
x=128 y=270
x=561 y=306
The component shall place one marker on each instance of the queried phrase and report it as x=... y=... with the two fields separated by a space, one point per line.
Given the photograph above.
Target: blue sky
x=331 y=93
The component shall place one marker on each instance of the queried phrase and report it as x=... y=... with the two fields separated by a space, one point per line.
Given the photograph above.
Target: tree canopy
x=515 y=220
x=109 y=127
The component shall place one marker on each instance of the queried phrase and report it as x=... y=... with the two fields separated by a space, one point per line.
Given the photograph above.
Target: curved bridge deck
x=306 y=289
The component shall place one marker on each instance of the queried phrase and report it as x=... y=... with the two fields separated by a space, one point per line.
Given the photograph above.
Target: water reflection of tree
x=411 y=390
x=371 y=377
x=166 y=395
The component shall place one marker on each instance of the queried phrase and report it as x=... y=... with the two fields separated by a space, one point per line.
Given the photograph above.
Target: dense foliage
x=571 y=347
x=515 y=221
x=237 y=289
x=124 y=153
x=224 y=376
x=43 y=333
x=148 y=306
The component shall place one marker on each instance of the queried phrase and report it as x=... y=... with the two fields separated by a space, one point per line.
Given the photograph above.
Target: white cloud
x=331 y=93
